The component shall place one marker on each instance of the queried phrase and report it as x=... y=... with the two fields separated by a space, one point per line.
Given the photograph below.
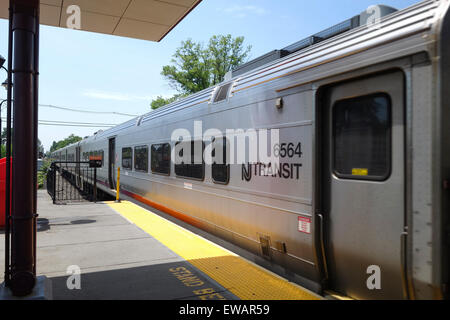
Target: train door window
x=127 y=158
x=362 y=138
x=221 y=169
x=141 y=159
x=160 y=158
x=191 y=169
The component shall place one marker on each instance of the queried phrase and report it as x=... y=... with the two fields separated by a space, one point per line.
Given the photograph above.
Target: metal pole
x=95 y=184
x=118 y=185
x=8 y=153
x=1 y=138
x=26 y=14
x=54 y=183
x=35 y=140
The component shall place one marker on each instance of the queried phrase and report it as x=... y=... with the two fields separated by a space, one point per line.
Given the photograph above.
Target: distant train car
x=359 y=203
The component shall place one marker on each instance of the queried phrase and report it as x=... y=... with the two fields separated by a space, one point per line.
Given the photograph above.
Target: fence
x=69 y=182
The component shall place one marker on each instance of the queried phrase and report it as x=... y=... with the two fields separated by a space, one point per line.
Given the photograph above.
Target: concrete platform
x=42 y=291
x=116 y=258
x=123 y=254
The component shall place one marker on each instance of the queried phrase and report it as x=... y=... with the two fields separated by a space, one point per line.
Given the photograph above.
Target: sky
x=104 y=73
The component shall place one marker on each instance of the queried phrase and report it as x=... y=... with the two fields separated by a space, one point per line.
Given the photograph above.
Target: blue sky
x=106 y=73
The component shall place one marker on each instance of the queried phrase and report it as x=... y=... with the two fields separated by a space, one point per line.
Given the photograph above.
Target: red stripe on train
x=160 y=207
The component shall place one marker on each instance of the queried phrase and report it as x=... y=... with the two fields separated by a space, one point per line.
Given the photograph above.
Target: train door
x=112 y=163
x=363 y=195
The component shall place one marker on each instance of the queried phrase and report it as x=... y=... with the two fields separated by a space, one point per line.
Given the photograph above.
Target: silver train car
x=360 y=203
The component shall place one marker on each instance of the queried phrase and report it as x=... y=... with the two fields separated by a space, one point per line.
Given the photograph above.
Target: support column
x=25 y=31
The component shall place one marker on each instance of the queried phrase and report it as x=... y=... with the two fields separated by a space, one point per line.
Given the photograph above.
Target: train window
x=362 y=137
x=220 y=171
x=127 y=158
x=160 y=159
x=191 y=169
x=141 y=159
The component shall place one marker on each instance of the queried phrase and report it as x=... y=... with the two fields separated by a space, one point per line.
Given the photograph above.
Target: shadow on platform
x=168 y=281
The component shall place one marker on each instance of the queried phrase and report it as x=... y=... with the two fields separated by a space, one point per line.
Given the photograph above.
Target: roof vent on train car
x=139 y=121
x=222 y=92
x=97 y=133
x=260 y=61
x=372 y=14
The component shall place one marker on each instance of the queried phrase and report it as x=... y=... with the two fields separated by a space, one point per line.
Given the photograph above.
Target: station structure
x=128 y=251
x=141 y=19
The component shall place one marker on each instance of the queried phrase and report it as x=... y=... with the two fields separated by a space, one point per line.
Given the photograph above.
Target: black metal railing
x=69 y=182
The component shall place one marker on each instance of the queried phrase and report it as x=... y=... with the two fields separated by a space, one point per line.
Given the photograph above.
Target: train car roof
x=421 y=17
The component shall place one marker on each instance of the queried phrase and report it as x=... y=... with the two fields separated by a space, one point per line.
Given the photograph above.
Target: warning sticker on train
x=304 y=225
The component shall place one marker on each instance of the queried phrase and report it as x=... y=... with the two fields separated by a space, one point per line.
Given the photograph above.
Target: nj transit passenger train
x=363 y=109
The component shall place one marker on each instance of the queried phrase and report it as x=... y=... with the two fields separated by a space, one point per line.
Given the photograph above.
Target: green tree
x=3 y=149
x=161 y=101
x=196 y=67
x=3 y=144
x=64 y=143
x=4 y=134
x=40 y=149
x=225 y=54
x=42 y=173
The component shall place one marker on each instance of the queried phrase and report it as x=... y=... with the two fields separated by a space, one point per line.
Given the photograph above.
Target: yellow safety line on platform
x=244 y=279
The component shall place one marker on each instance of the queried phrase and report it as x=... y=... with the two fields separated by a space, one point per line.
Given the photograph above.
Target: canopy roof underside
x=140 y=19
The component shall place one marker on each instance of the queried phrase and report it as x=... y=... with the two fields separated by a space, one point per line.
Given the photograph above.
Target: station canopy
x=140 y=19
